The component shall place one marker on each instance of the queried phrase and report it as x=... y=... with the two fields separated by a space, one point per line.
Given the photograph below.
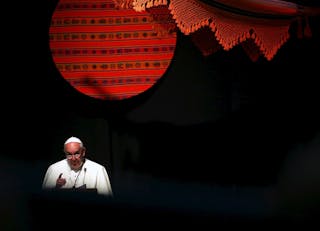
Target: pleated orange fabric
x=228 y=23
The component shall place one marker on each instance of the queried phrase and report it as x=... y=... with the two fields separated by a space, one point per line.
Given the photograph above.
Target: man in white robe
x=76 y=171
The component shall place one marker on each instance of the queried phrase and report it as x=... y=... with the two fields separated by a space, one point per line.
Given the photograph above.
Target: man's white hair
x=74 y=139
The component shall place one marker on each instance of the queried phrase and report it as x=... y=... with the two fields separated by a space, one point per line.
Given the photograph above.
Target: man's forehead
x=73 y=146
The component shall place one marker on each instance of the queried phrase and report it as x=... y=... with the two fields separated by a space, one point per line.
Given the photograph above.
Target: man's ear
x=84 y=151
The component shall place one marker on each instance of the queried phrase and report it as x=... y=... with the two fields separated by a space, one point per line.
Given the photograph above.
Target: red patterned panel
x=107 y=52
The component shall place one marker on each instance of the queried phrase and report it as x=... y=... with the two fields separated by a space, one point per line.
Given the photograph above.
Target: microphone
x=84 y=177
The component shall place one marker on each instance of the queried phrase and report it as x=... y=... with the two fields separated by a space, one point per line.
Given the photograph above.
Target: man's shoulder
x=92 y=163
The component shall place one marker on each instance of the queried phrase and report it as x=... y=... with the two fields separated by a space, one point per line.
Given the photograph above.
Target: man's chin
x=74 y=167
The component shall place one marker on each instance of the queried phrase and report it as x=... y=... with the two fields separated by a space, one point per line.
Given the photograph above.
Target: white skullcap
x=73 y=139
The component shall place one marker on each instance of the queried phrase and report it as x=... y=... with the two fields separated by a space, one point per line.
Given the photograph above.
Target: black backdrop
x=216 y=120
x=221 y=119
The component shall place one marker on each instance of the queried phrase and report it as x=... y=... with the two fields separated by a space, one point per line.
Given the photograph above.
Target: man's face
x=74 y=154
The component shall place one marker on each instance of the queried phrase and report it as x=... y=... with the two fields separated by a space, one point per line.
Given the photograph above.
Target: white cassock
x=91 y=176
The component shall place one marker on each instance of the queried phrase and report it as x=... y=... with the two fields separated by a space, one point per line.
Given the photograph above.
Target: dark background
x=220 y=121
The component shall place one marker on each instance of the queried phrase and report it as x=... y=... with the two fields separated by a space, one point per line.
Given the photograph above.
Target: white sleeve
x=47 y=181
x=103 y=182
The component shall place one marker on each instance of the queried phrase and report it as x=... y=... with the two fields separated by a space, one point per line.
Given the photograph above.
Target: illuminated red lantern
x=107 y=52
